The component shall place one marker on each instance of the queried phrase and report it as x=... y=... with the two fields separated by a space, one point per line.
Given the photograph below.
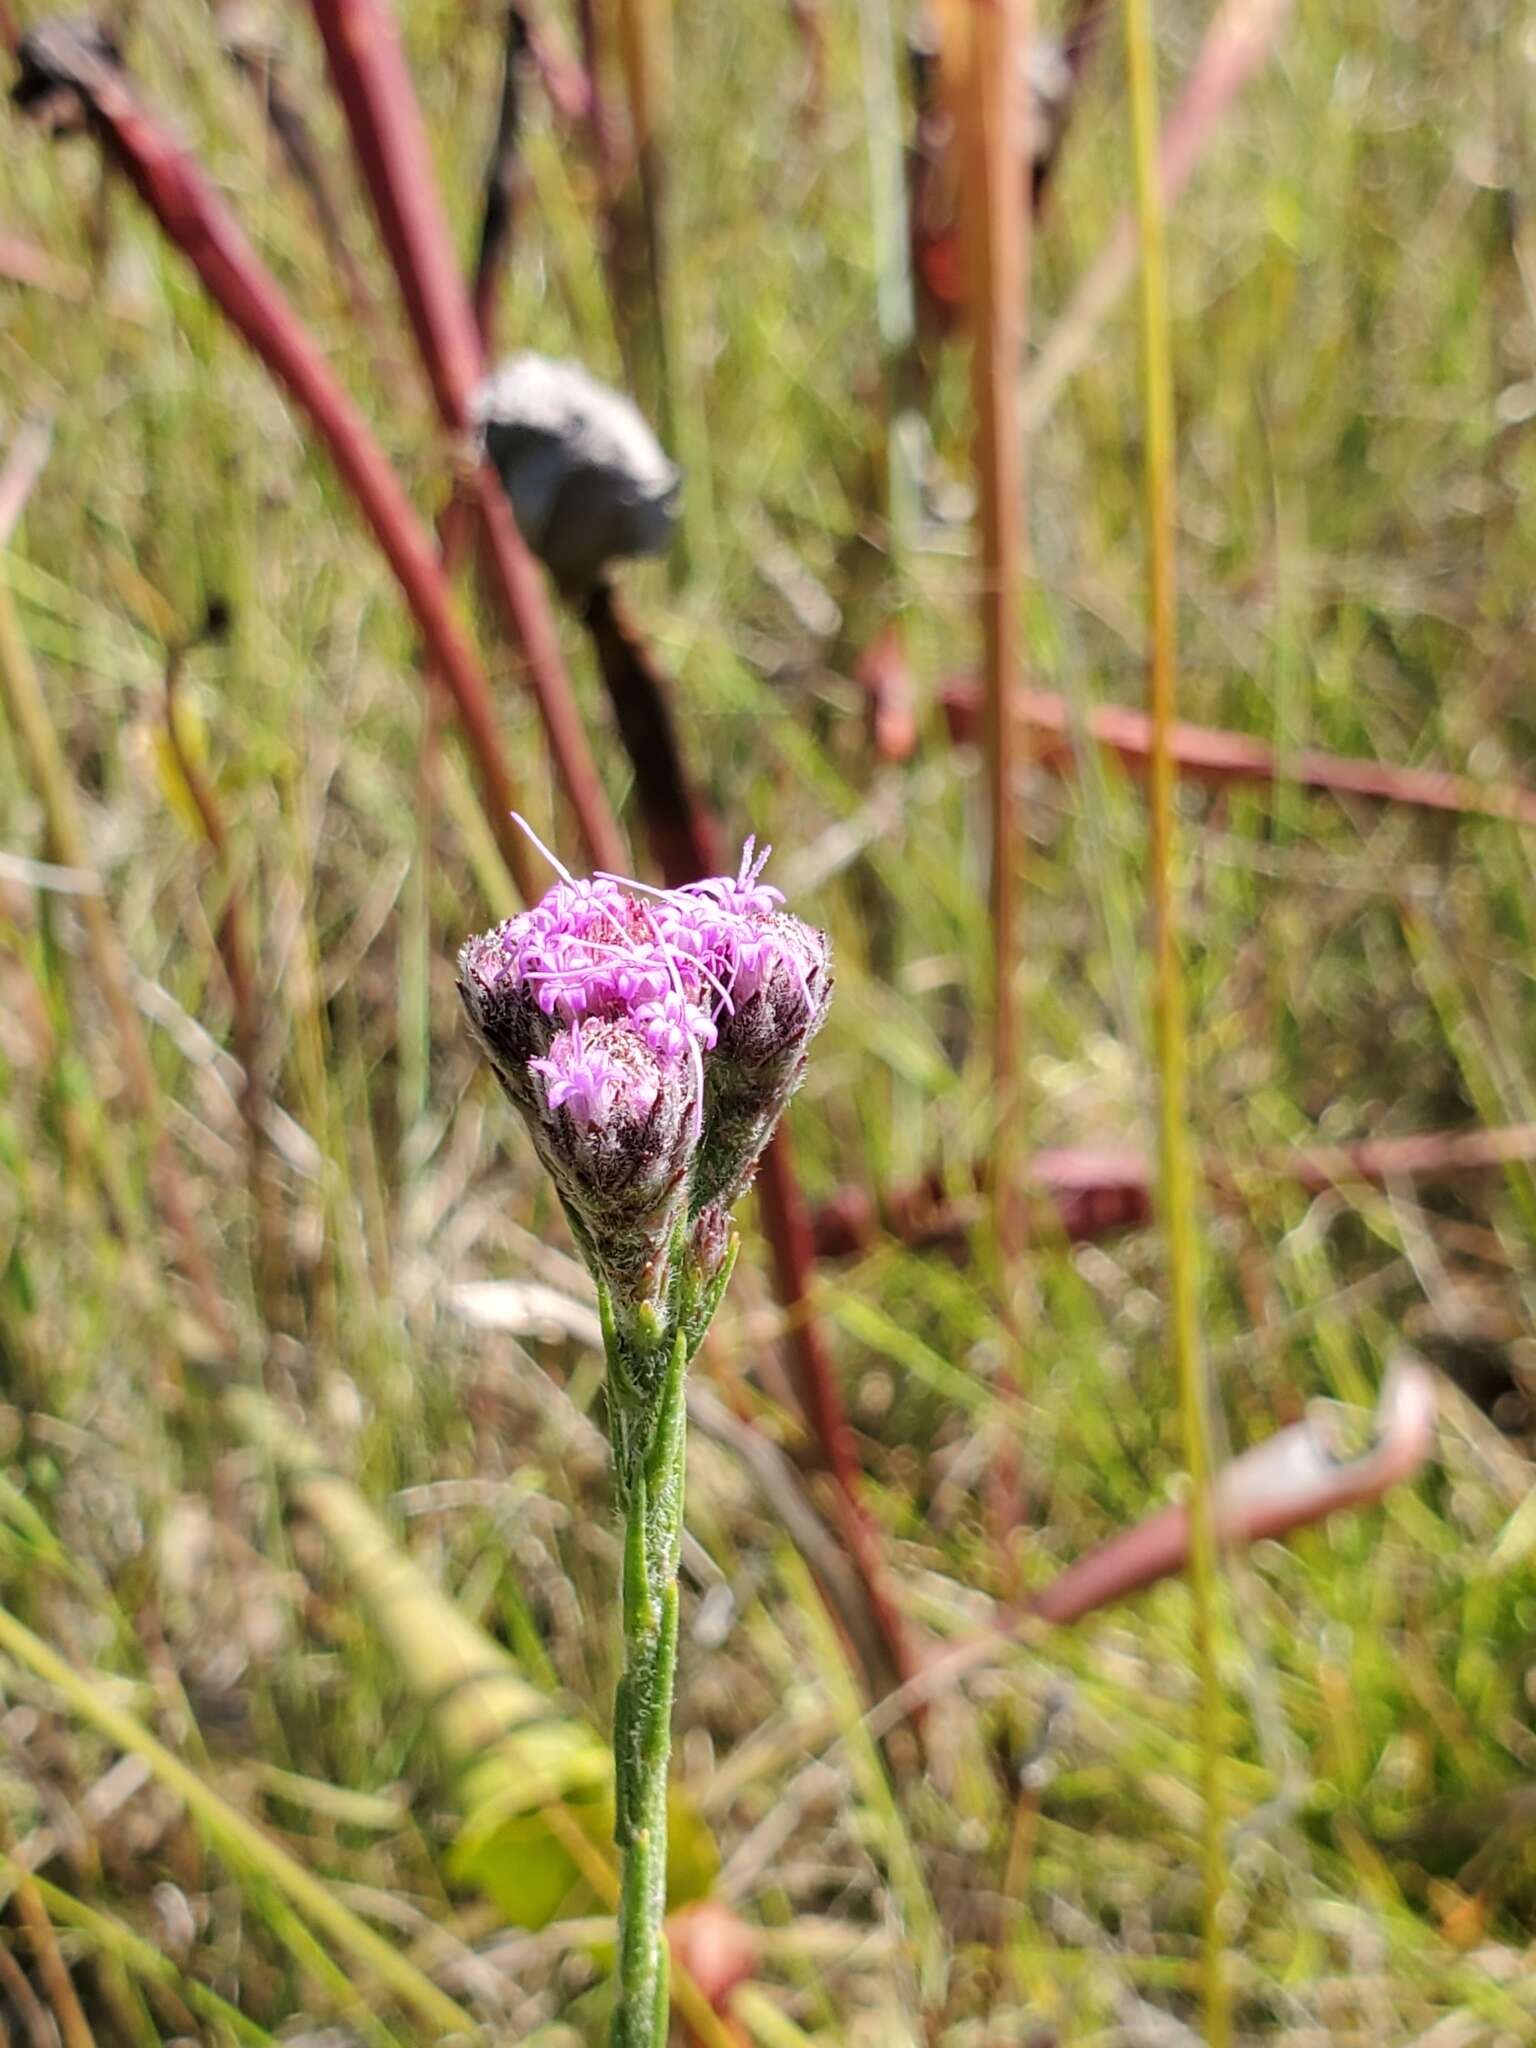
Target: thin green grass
x=1170 y=1026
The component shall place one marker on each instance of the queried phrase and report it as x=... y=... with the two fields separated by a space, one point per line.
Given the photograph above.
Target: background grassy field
x=1353 y=270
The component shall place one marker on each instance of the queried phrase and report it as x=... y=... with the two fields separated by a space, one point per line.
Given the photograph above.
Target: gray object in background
x=587 y=479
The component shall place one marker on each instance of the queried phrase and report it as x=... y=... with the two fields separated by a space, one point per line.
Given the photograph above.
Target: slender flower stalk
x=650 y=1039
x=1176 y=1172
x=982 y=46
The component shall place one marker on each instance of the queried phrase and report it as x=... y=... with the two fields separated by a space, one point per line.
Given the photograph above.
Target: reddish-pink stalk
x=1207 y=754
x=173 y=186
x=1293 y=1480
x=601 y=132
x=368 y=70
x=787 y=1226
x=1290 y=1482
x=1097 y=1191
x=562 y=77
x=505 y=179
x=981 y=47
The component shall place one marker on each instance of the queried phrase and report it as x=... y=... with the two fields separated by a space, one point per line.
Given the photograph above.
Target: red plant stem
x=564 y=80
x=1207 y=754
x=503 y=180
x=686 y=843
x=193 y=216
x=683 y=836
x=1266 y=1493
x=1098 y=1192
x=981 y=48
x=787 y=1227
x=600 y=126
x=1250 y=1511
x=368 y=70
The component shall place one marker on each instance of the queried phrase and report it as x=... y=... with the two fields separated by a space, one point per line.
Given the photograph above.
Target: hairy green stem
x=649 y=1423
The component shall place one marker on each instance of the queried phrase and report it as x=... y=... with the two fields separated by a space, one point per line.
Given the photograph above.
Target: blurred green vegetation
x=1355 y=349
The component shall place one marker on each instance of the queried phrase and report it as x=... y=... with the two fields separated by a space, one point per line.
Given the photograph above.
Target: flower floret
x=589 y=1083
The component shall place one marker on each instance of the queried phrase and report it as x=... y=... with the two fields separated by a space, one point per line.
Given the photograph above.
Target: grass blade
x=24 y=706
x=1169 y=1018
x=248 y=1847
x=1235 y=45
x=147 y=1962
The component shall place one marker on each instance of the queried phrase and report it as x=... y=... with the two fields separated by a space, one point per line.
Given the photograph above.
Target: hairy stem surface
x=648 y=1441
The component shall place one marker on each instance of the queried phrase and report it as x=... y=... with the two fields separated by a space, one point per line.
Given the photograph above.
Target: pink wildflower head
x=591 y=1080
x=650 y=1038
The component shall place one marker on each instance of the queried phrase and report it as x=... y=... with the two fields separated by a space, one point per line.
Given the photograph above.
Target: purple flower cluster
x=669 y=965
x=651 y=1038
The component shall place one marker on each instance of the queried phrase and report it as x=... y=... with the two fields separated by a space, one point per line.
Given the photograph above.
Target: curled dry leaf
x=1297 y=1477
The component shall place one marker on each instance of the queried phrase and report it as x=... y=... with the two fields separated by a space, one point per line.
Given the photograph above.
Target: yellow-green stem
x=649 y=1427
x=1169 y=1024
